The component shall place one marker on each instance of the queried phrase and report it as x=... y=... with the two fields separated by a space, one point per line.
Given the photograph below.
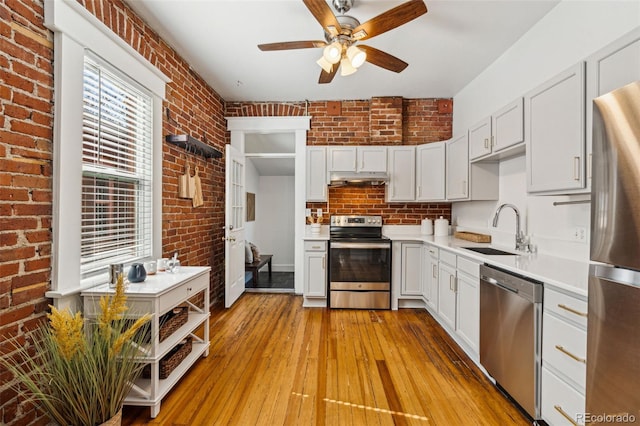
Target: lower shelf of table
x=165 y=385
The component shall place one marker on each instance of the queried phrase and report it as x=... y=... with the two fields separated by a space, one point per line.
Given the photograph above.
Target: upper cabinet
x=491 y=137
x=555 y=133
x=457 y=168
x=430 y=172
x=316 y=177
x=610 y=68
x=357 y=159
x=402 y=174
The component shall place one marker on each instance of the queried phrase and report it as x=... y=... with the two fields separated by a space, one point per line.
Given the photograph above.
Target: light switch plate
x=319 y=212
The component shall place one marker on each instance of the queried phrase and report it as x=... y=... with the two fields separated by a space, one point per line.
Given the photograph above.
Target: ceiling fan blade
x=383 y=59
x=390 y=19
x=286 y=45
x=322 y=12
x=327 y=77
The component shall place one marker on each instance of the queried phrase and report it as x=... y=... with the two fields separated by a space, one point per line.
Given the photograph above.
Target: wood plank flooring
x=272 y=362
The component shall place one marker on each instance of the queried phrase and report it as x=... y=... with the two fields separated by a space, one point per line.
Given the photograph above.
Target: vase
x=315 y=228
x=116 y=420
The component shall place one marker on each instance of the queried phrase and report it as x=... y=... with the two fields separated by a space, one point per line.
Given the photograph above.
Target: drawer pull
x=569 y=354
x=573 y=311
x=565 y=415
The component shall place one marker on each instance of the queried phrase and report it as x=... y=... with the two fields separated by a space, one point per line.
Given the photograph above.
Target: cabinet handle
x=486 y=143
x=576 y=168
x=565 y=415
x=433 y=272
x=573 y=311
x=464 y=187
x=493 y=141
x=452 y=283
x=589 y=166
x=323 y=258
x=569 y=354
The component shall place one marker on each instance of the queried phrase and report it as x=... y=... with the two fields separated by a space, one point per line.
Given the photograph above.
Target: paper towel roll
x=427 y=227
x=441 y=228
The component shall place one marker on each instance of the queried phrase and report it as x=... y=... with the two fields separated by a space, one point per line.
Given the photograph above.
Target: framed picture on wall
x=251 y=206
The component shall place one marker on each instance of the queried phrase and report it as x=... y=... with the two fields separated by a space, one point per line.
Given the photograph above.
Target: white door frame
x=239 y=126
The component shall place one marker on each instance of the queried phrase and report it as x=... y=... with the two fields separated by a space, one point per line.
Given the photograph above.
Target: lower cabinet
x=564 y=348
x=315 y=269
x=430 y=276
x=468 y=309
x=411 y=283
x=447 y=288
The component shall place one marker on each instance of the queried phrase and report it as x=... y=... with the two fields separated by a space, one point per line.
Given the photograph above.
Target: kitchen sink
x=490 y=251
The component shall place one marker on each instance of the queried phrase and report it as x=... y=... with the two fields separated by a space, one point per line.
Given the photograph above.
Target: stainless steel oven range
x=359 y=263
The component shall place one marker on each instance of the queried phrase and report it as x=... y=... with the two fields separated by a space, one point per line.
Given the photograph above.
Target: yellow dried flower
x=67 y=331
x=129 y=334
x=112 y=308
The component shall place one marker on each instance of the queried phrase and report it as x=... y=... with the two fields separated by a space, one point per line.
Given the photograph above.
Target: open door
x=234 y=225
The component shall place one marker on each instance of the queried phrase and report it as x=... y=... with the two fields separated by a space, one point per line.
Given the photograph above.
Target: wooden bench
x=265 y=259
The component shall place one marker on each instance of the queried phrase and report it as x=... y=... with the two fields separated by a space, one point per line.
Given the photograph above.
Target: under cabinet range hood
x=358 y=179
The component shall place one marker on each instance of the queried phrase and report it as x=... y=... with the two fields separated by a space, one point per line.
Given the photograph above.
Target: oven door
x=360 y=274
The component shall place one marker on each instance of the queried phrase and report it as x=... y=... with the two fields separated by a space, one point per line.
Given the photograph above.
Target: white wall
x=252 y=180
x=275 y=231
x=567 y=34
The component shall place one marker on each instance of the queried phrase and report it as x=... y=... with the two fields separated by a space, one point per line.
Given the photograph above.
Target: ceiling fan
x=342 y=32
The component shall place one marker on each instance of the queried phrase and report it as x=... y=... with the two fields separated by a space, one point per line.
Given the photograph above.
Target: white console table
x=157 y=295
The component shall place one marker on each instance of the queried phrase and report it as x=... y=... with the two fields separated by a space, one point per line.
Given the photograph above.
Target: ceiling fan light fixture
x=356 y=56
x=333 y=52
x=326 y=65
x=346 y=68
x=360 y=34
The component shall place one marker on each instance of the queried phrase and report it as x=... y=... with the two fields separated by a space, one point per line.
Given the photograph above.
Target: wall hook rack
x=193 y=145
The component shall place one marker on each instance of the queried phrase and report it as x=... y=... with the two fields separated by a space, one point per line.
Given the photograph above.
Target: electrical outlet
x=319 y=212
x=580 y=234
x=307 y=212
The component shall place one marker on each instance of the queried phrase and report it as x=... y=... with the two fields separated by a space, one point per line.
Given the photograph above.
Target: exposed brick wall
x=379 y=121
x=26 y=94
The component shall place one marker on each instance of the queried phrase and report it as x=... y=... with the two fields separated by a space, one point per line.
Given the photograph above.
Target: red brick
x=22 y=181
x=14 y=194
x=8 y=269
x=20 y=166
x=31 y=293
x=32 y=102
x=38 y=236
x=36 y=265
x=31 y=129
x=18 y=82
x=9 y=316
x=32 y=209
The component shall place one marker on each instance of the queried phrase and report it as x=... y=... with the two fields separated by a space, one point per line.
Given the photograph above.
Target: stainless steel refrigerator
x=613 y=336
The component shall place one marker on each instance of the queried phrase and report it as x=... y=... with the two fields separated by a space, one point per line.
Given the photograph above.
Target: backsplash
x=370 y=200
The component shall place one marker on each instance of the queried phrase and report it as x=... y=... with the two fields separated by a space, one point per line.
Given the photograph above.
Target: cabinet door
x=430 y=172
x=402 y=174
x=447 y=294
x=612 y=67
x=430 y=276
x=411 y=284
x=316 y=178
x=315 y=274
x=507 y=127
x=457 y=170
x=341 y=159
x=372 y=159
x=554 y=133
x=468 y=313
x=480 y=139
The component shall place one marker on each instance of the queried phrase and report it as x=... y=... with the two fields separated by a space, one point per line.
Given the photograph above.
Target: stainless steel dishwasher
x=510 y=334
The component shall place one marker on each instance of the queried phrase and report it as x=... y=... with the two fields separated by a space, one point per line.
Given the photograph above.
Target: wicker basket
x=173 y=320
x=170 y=361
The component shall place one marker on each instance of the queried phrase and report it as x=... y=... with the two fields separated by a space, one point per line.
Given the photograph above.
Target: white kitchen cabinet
x=468 y=303
x=158 y=295
x=357 y=159
x=447 y=288
x=430 y=276
x=402 y=174
x=610 y=68
x=315 y=269
x=411 y=281
x=555 y=133
x=464 y=181
x=316 y=174
x=430 y=172
x=504 y=129
x=564 y=348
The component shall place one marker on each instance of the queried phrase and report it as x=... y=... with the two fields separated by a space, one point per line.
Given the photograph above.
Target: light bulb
x=356 y=56
x=346 y=68
x=333 y=52
x=326 y=65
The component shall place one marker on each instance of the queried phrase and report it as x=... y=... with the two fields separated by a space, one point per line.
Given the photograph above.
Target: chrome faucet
x=521 y=244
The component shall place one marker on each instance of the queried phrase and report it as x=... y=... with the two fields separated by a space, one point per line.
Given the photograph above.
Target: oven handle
x=360 y=245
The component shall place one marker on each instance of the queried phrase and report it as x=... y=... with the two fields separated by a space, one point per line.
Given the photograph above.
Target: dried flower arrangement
x=79 y=371
x=314 y=218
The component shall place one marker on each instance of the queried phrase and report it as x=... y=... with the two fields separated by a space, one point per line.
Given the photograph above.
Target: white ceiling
x=445 y=48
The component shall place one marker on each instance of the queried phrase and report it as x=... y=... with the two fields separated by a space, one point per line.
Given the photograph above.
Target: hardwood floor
x=272 y=362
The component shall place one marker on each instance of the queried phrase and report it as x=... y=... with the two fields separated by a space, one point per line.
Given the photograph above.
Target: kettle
x=137 y=273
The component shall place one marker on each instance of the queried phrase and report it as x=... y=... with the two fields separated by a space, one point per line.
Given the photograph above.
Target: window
x=116 y=170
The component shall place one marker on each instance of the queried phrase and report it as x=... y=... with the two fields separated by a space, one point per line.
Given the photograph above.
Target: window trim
x=77 y=32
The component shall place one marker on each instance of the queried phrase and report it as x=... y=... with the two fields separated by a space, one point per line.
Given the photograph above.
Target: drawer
x=469 y=267
x=560 y=400
x=315 y=246
x=433 y=251
x=565 y=306
x=564 y=346
x=448 y=258
x=184 y=291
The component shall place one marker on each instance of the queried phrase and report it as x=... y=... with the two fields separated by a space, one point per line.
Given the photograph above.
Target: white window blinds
x=116 y=170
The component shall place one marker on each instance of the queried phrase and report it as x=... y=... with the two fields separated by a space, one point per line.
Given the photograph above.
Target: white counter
x=565 y=274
